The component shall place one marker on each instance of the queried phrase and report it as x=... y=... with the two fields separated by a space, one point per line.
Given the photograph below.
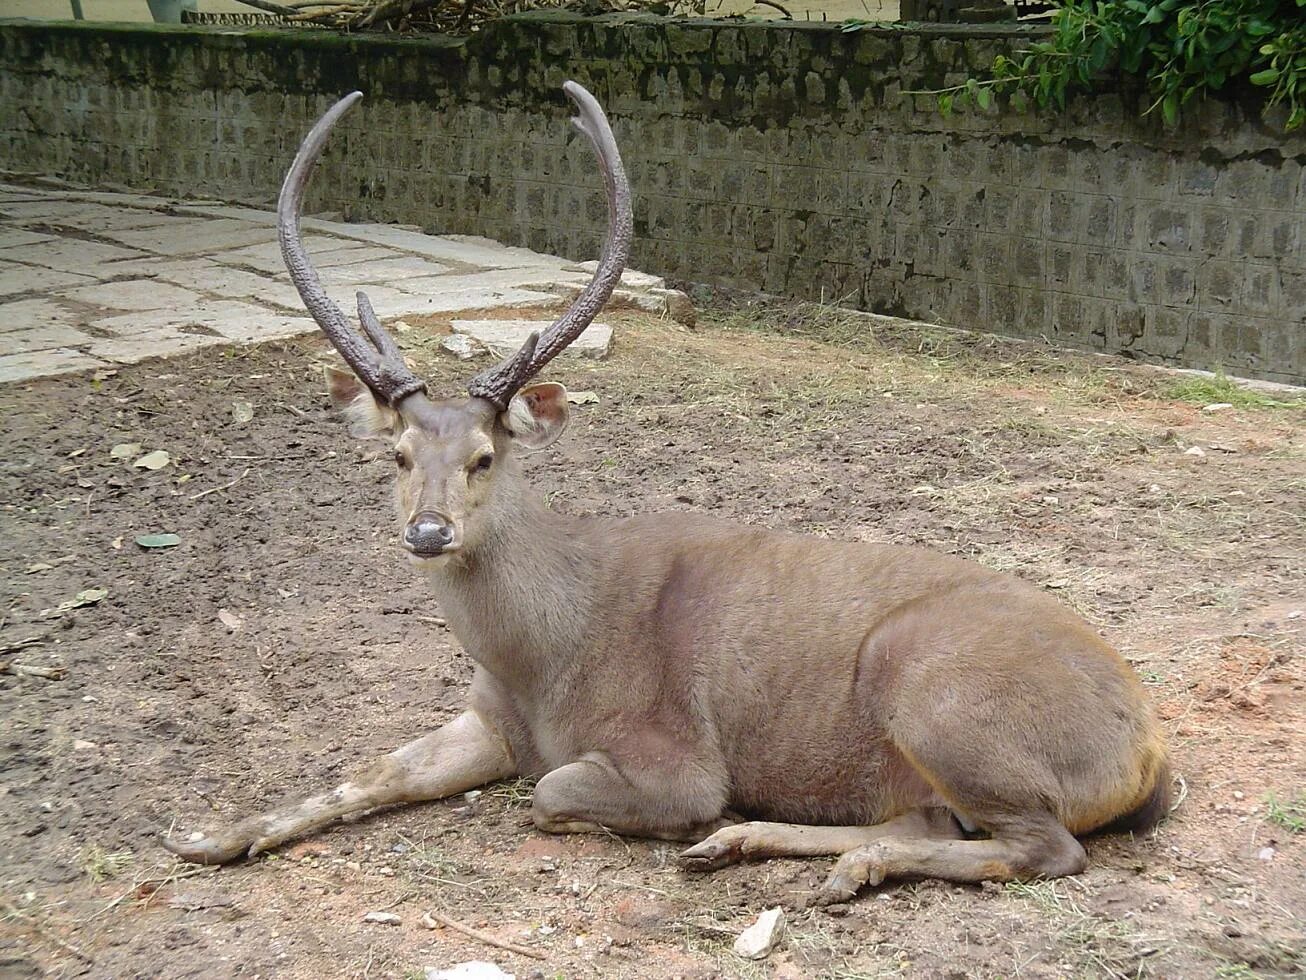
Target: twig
x=776 y=6
x=271 y=8
x=30 y=641
x=49 y=673
x=225 y=486
x=481 y=937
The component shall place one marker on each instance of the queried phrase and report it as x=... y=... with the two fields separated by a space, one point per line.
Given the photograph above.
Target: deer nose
x=428 y=534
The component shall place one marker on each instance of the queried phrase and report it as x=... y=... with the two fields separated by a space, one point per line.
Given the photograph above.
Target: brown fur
x=659 y=675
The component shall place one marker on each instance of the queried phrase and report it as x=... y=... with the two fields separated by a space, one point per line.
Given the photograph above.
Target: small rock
x=757 y=941
x=1238 y=794
x=460 y=346
x=1216 y=407
x=385 y=871
x=1194 y=451
x=81 y=745
x=1265 y=854
x=426 y=922
x=471 y=970
x=382 y=918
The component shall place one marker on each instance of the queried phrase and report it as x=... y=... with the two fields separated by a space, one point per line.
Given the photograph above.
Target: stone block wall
x=784 y=157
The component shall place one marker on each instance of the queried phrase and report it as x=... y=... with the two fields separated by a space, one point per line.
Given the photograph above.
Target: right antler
x=379 y=365
x=500 y=383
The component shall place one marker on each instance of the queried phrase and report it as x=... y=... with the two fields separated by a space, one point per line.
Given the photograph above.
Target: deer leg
x=594 y=794
x=459 y=756
x=1032 y=847
x=758 y=839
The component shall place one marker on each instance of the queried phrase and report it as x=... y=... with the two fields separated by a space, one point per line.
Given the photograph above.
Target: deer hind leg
x=595 y=794
x=457 y=757
x=759 y=839
x=1033 y=846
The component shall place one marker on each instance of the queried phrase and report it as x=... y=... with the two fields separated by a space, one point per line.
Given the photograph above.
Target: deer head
x=453 y=455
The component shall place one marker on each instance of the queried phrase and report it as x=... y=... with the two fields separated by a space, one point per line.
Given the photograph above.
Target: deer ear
x=537 y=415
x=367 y=417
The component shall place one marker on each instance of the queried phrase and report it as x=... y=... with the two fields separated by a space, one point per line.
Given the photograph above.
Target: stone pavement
x=91 y=280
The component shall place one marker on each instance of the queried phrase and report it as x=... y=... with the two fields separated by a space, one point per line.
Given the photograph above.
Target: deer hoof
x=852 y=872
x=715 y=852
x=208 y=850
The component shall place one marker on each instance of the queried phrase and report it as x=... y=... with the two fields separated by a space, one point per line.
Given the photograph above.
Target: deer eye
x=401 y=459
x=483 y=463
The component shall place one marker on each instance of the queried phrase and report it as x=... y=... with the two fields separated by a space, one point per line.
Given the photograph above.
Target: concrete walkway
x=92 y=280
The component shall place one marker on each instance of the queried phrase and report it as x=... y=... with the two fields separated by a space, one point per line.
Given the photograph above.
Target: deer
x=748 y=692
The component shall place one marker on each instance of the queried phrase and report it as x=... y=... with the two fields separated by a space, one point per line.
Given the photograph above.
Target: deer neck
x=518 y=599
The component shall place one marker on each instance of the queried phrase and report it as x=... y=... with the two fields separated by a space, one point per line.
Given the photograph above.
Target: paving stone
x=134 y=294
x=325 y=252
x=204 y=275
x=15 y=279
x=24 y=314
x=629 y=278
x=225 y=320
x=505 y=336
x=12 y=236
x=382 y=270
x=470 y=252
x=546 y=279
x=24 y=367
x=46 y=336
x=69 y=255
x=152 y=343
x=463 y=299
x=193 y=236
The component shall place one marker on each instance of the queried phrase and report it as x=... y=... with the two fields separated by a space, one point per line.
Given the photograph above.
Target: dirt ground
x=285 y=641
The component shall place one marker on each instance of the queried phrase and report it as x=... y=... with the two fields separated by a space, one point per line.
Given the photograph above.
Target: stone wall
x=781 y=157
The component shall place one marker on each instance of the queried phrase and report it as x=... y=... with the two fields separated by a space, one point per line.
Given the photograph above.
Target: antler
x=500 y=383
x=379 y=365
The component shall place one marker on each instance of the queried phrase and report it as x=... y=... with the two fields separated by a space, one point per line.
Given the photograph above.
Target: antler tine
x=386 y=375
x=375 y=332
x=500 y=383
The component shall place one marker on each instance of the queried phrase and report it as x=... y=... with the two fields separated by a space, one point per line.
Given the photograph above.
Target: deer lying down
x=916 y=714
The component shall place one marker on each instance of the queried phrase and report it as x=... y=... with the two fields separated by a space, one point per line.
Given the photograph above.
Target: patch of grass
x=1217 y=390
x=1290 y=814
x=101 y=865
x=1099 y=946
x=516 y=794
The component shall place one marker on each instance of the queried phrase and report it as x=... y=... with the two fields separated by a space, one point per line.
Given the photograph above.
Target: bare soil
x=285 y=641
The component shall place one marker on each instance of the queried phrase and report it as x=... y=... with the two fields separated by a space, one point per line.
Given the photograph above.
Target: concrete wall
x=783 y=157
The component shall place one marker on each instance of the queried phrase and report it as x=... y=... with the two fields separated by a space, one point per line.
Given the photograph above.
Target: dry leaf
x=156 y=460
x=230 y=620
x=125 y=450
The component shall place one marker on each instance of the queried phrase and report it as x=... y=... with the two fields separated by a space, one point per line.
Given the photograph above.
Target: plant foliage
x=1180 y=48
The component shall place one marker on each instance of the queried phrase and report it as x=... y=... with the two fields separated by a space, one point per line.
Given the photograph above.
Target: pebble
x=757 y=941
x=382 y=918
x=471 y=970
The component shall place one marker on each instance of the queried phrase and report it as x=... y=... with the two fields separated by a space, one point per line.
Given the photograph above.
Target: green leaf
x=984 y=98
x=945 y=105
x=1267 y=76
x=158 y=540
x=1154 y=15
x=1170 y=108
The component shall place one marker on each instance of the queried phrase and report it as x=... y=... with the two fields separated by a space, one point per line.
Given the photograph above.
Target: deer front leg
x=466 y=753
x=595 y=793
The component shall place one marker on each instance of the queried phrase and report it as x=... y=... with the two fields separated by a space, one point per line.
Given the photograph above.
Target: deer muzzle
x=428 y=535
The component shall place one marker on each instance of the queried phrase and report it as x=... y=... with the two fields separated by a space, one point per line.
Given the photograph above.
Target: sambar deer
x=667 y=676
